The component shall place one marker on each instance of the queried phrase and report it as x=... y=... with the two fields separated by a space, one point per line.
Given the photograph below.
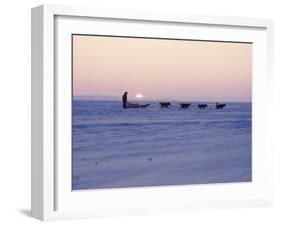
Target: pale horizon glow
x=139 y=96
x=161 y=69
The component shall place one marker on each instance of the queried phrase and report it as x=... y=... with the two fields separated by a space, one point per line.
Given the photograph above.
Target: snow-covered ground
x=115 y=147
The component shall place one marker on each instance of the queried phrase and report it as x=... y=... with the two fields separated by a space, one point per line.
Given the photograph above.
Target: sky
x=162 y=69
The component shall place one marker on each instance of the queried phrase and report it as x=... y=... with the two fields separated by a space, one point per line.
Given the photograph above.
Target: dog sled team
x=126 y=104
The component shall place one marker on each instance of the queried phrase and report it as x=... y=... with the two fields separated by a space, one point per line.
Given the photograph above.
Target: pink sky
x=161 y=69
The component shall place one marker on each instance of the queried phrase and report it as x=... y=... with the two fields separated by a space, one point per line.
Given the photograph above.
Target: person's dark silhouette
x=126 y=104
x=125 y=99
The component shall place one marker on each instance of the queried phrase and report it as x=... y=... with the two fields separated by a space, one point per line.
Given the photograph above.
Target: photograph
x=149 y=111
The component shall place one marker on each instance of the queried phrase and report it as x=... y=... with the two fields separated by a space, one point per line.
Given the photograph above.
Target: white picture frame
x=52 y=197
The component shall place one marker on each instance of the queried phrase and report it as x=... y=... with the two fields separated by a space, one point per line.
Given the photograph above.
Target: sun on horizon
x=139 y=96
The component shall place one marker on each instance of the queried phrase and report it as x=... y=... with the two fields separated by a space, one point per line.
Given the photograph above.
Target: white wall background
x=15 y=111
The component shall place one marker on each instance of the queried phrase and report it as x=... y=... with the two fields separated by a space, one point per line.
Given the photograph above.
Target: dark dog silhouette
x=184 y=105
x=202 y=106
x=220 y=106
x=165 y=104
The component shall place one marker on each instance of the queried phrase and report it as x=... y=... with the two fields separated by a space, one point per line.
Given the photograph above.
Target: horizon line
x=116 y=98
